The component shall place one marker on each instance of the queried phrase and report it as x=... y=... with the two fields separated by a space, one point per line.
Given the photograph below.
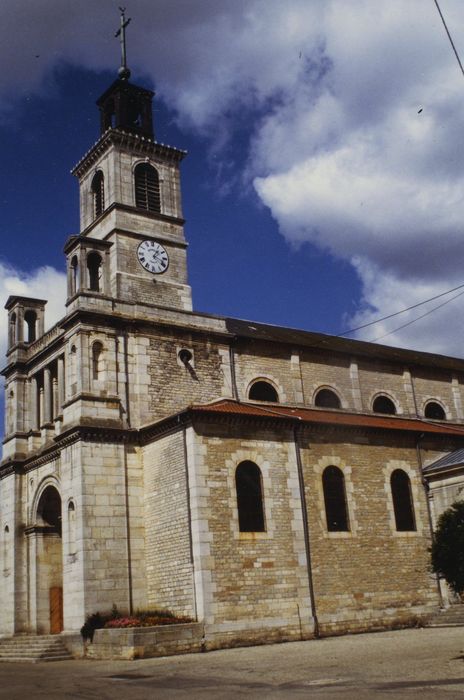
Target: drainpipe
x=126 y=372
x=304 y=514
x=429 y=512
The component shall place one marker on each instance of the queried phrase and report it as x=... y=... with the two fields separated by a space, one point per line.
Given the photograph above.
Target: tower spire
x=124 y=72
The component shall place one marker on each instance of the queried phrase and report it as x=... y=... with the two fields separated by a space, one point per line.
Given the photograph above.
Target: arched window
x=94 y=267
x=382 y=404
x=263 y=391
x=333 y=484
x=434 y=411
x=30 y=319
x=98 y=193
x=97 y=360
x=402 y=501
x=74 y=275
x=248 y=484
x=326 y=398
x=49 y=509
x=147 y=188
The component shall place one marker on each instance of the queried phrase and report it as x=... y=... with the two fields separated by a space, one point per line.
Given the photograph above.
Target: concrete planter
x=145 y=642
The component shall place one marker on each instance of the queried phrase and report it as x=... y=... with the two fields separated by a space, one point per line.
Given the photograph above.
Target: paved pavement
x=406 y=664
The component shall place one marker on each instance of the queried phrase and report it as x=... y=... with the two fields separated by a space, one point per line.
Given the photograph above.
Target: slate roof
x=337 y=344
x=453 y=459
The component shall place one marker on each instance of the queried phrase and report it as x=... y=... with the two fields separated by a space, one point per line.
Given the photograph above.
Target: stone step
x=33 y=659
x=33 y=649
x=448 y=617
x=38 y=645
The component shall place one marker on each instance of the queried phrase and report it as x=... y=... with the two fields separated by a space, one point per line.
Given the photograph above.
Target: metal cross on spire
x=124 y=72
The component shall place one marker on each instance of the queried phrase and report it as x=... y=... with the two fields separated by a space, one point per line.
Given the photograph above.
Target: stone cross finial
x=124 y=72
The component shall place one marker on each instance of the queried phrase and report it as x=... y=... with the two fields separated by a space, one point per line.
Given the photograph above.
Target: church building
x=264 y=481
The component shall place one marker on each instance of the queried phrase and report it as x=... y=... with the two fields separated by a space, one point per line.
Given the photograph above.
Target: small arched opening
x=30 y=321
x=94 y=268
x=263 y=391
x=71 y=529
x=383 y=404
x=97 y=360
x=6 y=550
x=327 y=398
x=434 y=411
x=12 y=330
x=74 y=275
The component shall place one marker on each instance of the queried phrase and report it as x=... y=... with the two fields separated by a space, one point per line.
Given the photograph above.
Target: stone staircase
x=33 y=648
x=448 y=617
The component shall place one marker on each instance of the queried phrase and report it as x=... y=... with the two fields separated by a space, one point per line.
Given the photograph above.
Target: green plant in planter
x=116 y=620
x=97 y=621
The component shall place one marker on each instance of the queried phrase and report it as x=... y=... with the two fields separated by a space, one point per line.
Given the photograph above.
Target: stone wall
x=373 y=575
x=369 y=577
x=145 y=642
x=169 y=570
x=253 y=586
x=173 y=386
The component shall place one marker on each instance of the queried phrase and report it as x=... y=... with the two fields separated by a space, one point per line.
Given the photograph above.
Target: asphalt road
x=406 y=664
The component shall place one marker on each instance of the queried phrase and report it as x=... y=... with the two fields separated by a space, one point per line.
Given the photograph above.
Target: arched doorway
x=47 y=543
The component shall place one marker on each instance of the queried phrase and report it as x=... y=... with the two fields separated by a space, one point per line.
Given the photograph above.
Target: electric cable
x=409 y=323
x=449 y=36
x=402 y=311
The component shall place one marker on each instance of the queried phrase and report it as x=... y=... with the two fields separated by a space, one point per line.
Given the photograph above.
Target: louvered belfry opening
x=147 y=188
x=98 y=193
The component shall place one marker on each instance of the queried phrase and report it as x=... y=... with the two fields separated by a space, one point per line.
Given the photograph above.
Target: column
x=61 y=387
x=355 y=385
x=457 y=397
x=47 y=394
x=34 y=404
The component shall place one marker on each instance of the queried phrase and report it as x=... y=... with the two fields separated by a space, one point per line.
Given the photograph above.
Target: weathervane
x=124 y=72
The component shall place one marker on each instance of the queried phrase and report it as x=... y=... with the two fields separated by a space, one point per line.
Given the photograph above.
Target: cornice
x=153 y=216
x=136 y=323
x=135 y=142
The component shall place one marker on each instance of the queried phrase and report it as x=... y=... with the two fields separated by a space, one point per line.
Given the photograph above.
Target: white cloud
x=42 y=283
x=359 y=145
x=385 y=294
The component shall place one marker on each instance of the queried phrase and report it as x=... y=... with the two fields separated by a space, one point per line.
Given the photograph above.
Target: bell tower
x=131 y=221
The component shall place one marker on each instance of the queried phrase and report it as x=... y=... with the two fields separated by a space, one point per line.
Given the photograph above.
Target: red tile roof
x=329 y=417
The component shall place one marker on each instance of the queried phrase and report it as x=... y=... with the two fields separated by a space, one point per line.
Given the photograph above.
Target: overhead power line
x=418 y=318
x=449 y=37
x=437 y=296
x=408 y=308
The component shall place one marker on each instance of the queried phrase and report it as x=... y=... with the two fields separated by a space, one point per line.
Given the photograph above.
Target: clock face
x=153 y=257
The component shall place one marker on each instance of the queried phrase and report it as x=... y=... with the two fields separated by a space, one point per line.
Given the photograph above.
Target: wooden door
x=56 y=610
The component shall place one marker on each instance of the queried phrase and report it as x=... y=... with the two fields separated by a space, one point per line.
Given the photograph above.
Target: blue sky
x=324 y=184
